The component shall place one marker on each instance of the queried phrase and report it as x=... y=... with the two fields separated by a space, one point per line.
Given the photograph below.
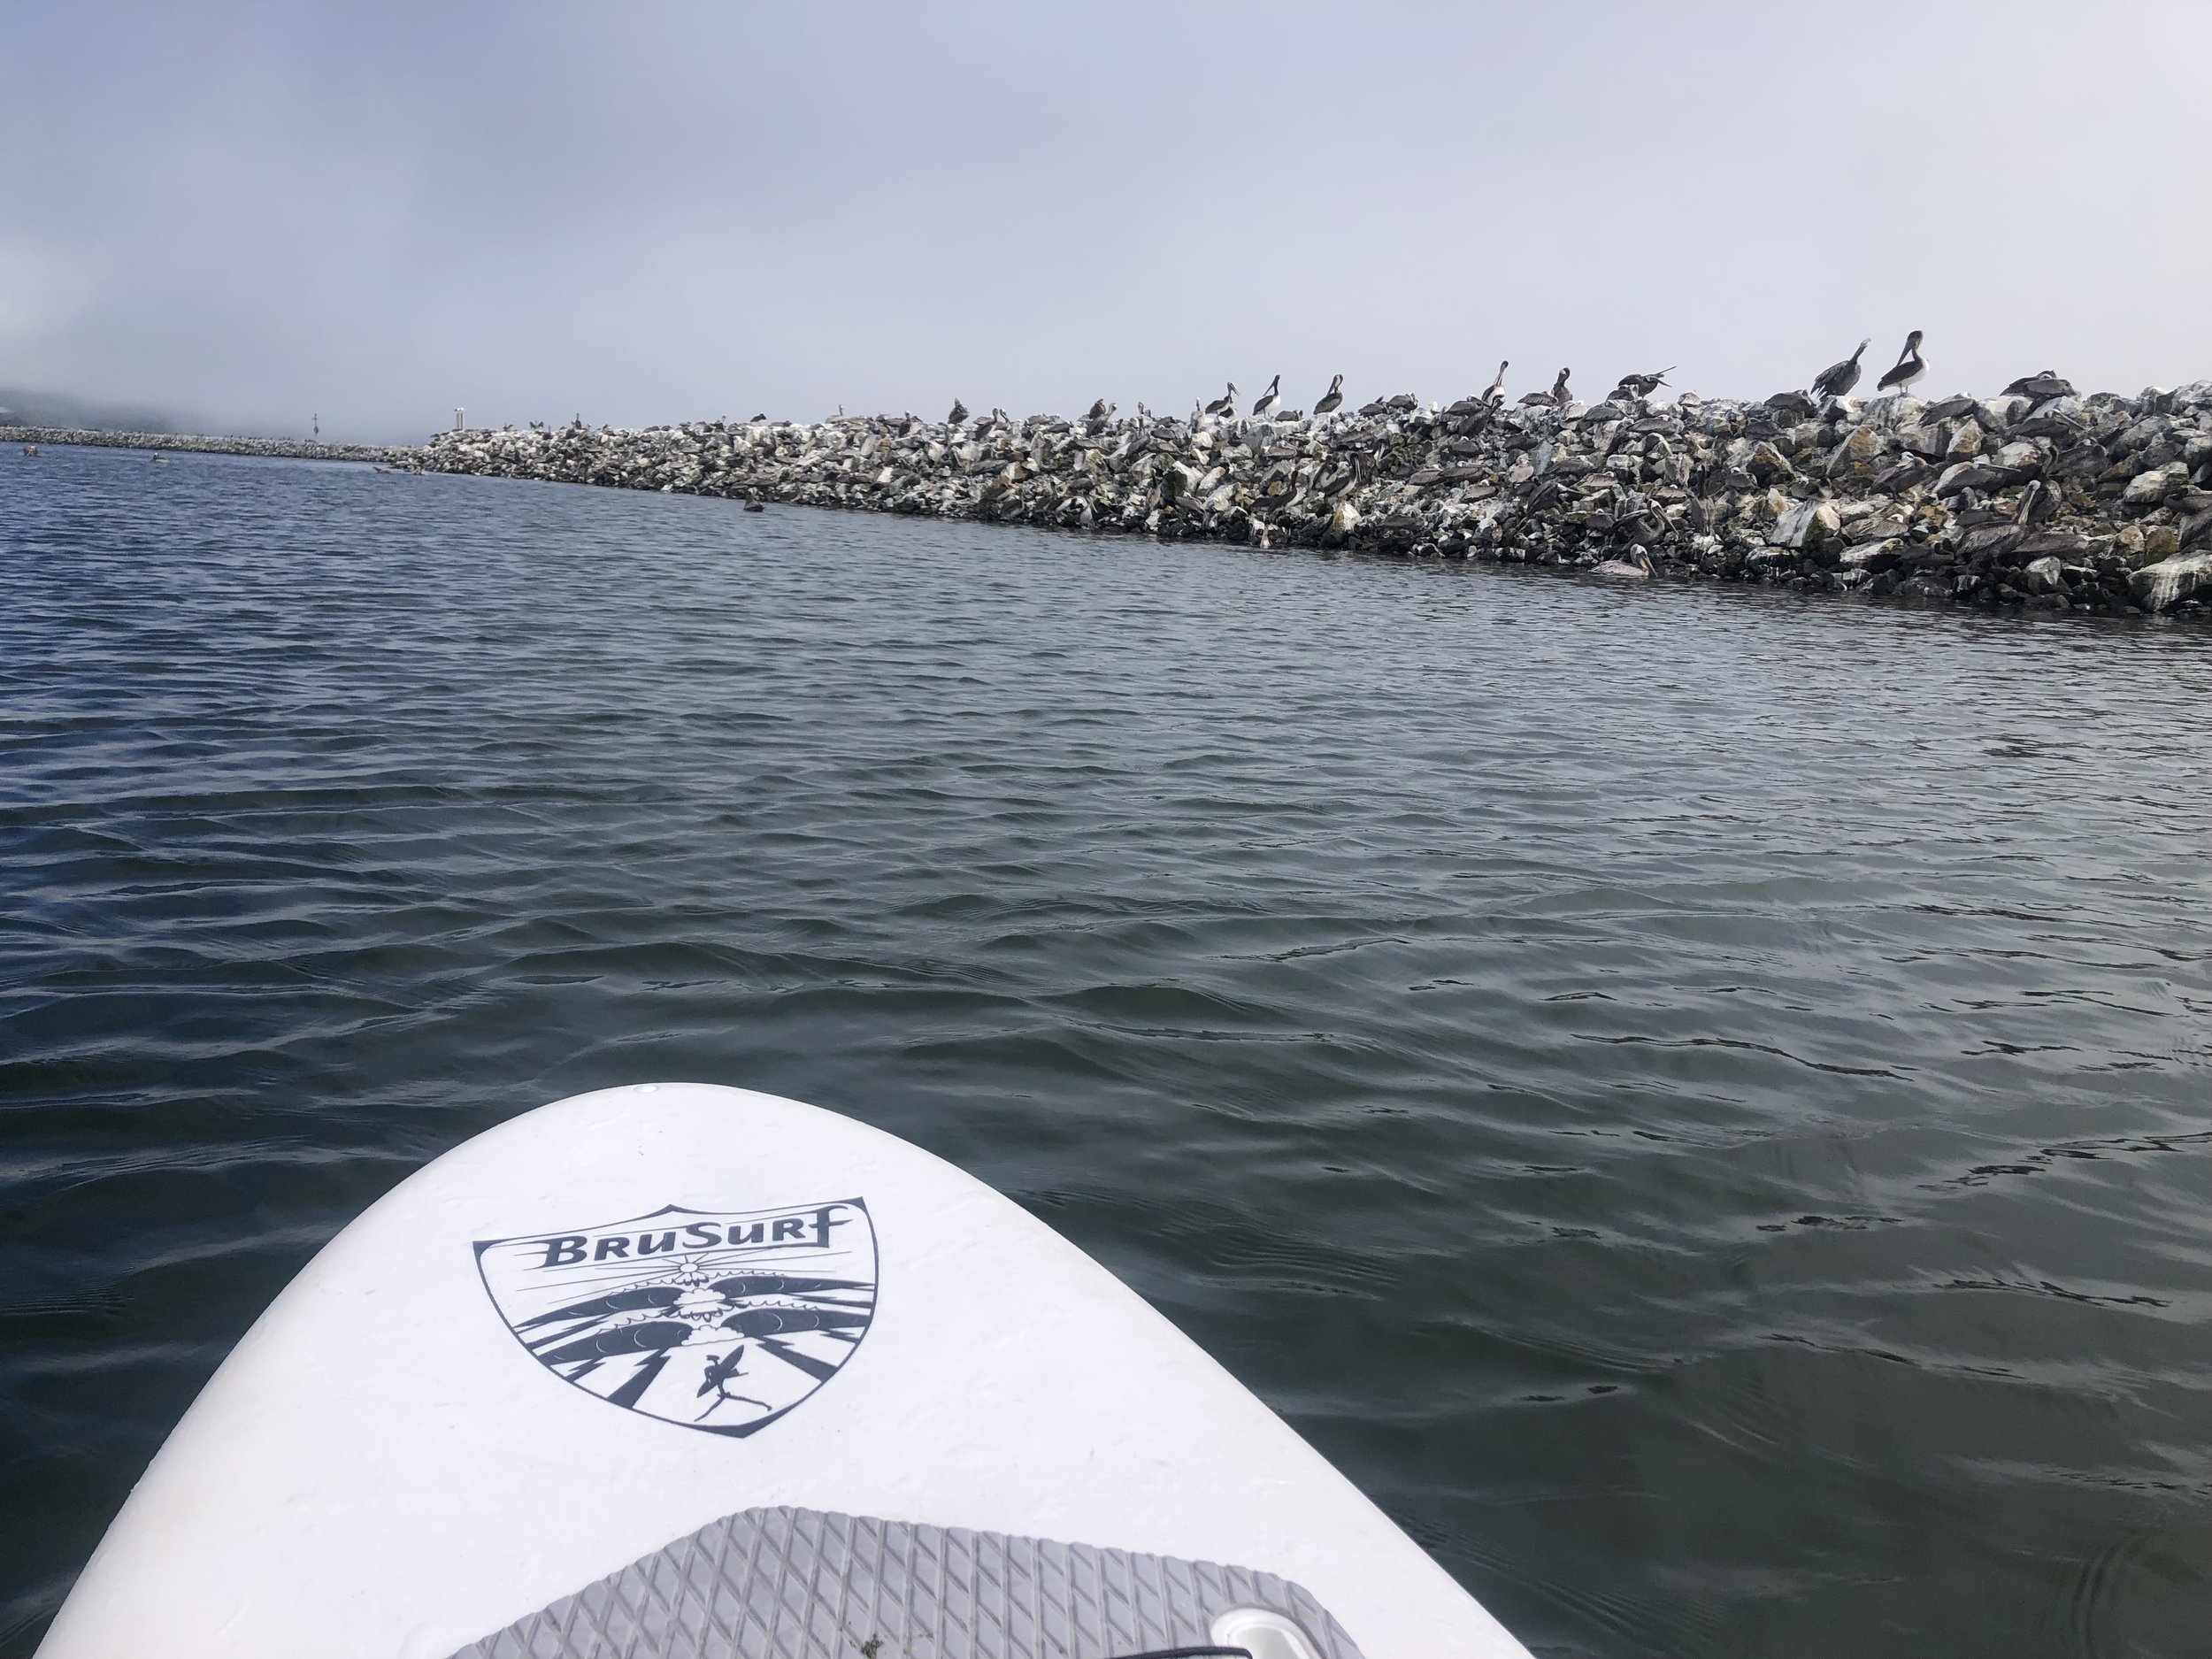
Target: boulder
x=1809 y=525
x=2148 y=489
x=2183 y=576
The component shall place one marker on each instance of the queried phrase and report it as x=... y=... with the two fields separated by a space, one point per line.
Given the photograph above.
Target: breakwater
x=2050 y=500
x=181 y=443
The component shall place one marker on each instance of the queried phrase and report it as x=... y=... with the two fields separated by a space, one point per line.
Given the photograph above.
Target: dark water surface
x=1699 y=1102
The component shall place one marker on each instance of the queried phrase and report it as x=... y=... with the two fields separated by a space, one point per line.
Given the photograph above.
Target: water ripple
x=1696 y=1101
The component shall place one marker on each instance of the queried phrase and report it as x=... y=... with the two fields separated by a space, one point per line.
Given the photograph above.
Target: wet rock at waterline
x=2088 y=504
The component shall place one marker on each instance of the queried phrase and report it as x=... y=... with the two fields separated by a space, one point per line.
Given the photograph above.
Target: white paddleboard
x=678 y=1369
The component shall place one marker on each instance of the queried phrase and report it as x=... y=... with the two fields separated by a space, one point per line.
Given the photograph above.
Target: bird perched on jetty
x=1839 y=378
x=1331 y=400
x=959 y=413
x=1643 y=385
x=1097 y=411
x=1264 y=405
x=1494 y=393
x=1225 y=405
x=1909 y=367
x=1101 y=412
x=2042 y=388
x=2039 y=505
x=1558 y=396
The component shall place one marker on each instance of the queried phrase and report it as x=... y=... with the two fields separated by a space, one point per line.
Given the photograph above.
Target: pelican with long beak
x=1839 y=378
x=1910 y=366
x=1265 y=405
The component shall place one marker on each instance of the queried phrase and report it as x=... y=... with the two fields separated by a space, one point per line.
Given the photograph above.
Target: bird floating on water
x=1634 y=567
x=1225 y=405
x=1331 y=400
x=1839 y=378
x=1264 y=405
x=1909 y=368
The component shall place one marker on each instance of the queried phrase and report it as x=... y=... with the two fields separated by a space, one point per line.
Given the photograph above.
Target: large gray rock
x=2170 y=580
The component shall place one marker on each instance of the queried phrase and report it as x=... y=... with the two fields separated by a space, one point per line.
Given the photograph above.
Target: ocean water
x=1699 y=1101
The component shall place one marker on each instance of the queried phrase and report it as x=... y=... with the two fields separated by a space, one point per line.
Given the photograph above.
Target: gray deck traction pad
x=799 y=1584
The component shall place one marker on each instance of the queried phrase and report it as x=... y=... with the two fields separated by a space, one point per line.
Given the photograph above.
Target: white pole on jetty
x=457 y=426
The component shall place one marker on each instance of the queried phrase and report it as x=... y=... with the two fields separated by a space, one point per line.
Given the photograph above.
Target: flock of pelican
x=1831 y=383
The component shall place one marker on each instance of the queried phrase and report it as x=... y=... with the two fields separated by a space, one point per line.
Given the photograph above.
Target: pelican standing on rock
x=959 y=413
x=1331 y=400
x=1265 y=405
x=1839 y=378
x=1634 y=567
x=1494 y=393
x=1909 y=367
x=1097 y=411
x=1225 y=405
x=1558 y=396
x=2042 y=388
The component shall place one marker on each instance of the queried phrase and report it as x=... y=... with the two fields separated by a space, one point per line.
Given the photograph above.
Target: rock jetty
x=181 y=443
x=2039 y=498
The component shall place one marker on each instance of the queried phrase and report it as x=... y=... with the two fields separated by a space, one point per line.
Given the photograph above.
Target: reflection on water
x=1696 y=1100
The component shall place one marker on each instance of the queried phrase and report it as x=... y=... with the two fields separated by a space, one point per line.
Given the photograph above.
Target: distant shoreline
x=184 y=444
x=2052 y=502
x=2046 y=501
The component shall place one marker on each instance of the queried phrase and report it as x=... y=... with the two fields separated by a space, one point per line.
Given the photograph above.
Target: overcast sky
x=252 y=213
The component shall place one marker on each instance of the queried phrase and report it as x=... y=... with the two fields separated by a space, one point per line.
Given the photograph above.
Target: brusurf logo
x=721 y=1320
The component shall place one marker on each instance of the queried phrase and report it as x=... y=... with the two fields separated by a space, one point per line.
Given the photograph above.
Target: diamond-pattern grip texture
x=797 y=1584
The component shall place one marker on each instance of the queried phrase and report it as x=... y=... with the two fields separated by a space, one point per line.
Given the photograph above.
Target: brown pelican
x=1331 y=400
x=2038 y=505
x=1558 y=396
x=2042 y=388
x=1494 y=393
x=1643 y=385
x=1225 y=405
x=1097 y=411
x=1909 y=366
x=1839 y=378
x=1634 y=567
x=959 y=413
x=753 y=501
x=1264 y=405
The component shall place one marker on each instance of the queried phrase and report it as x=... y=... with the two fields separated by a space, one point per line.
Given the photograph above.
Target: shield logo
x=721 y=1320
